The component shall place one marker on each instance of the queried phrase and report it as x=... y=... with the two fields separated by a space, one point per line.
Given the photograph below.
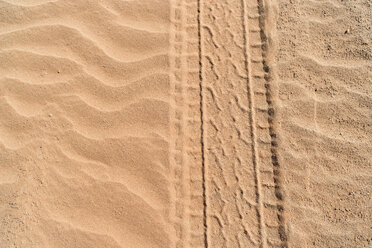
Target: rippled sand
x=84 y=141
x=191 y=123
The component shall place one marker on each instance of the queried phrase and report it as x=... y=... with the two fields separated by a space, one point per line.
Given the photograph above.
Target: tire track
x=232 y=193
x=205 y=222
x=188 y=127
x=230 y=186
x=247 y=62
x=273 y=232
x=262 y=176
x=278 y=175
x=177 y=125
x=195 y=129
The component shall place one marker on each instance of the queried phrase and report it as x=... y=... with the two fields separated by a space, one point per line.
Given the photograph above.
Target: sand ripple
x=84 y=145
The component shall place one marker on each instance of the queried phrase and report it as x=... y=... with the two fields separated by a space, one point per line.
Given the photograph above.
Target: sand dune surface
x=84 y=142
x=185 y=124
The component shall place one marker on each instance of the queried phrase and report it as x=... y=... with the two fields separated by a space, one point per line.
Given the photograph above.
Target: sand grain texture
x=84 y=127
x=191 y=123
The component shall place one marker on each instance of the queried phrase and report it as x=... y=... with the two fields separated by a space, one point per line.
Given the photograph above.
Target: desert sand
x=185 y=124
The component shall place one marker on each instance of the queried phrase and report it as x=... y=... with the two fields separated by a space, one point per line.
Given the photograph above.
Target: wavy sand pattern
x=185 y=123
x=84 y=145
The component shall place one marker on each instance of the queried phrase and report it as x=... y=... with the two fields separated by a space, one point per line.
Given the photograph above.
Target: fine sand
x=185 y=123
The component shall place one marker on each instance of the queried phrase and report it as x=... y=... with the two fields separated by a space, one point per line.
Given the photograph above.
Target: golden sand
x=190 y=123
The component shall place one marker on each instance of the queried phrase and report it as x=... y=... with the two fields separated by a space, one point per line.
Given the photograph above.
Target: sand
x=191 y=123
